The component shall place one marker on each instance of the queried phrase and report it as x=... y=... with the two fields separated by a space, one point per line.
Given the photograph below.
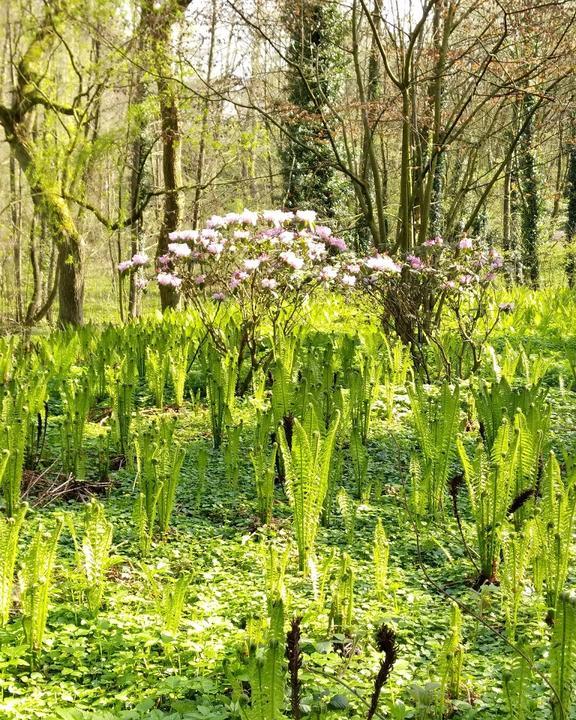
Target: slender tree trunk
x=531 y=208
x=162 y=18
x=204 y=121
x=16 y=223
x=571 y=210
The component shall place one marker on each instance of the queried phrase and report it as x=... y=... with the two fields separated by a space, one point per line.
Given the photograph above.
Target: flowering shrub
x=439 y=285
x=268 y=262
x=271 y=262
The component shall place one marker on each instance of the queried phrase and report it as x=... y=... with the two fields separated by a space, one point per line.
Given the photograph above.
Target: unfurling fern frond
x=9 y=534
x=381 y=556
x=348 y=510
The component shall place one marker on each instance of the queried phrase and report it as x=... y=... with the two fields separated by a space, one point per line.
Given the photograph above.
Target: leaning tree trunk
x=17 y=120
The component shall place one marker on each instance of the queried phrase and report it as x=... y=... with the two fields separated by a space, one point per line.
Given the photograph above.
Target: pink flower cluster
x=460 y=266
x=272 y=254
x=264 y=258
x=138 y=260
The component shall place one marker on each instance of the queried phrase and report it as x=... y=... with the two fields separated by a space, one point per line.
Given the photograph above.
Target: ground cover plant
x=338 y=537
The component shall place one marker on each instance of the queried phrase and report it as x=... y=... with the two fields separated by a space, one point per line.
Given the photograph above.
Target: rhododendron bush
x=438 y=295
x=269 y=264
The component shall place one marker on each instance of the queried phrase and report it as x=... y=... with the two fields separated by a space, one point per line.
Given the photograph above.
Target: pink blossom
x=382 y=263
x=465 y=243
x=167 y=279
x=269 y=283
x=466 y=279
x=323 y=231
x=141 y=283
x=353 y=268
x=337 y=243
x=164 y=259
x=200 y=279
x=209 y=234
x=436 y=240
x=139 y=259
x=180 y=249
x=349 y=280
x=241 y=234
x=290 y=258
x=218 y=296
x=234 y=282
x=496 y=258
x=125 y=265
x=415 y=262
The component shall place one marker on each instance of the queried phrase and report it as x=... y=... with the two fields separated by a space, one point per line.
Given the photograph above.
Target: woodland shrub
x=270 y=263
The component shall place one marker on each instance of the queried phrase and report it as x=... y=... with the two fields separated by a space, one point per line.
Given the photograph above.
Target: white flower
x=329 y=272
x=179 y=249
x=277 y=217
x=349 y=280
x=269 y=283
x=292 y=259
x=168 y=280
x=252 y=263
x=215 y=248
x=247 y=217
x=307 y=216
x=316 y=250
x=382 y=263
x=215 y=221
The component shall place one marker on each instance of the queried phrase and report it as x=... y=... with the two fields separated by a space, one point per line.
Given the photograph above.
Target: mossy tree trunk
x=47 y=196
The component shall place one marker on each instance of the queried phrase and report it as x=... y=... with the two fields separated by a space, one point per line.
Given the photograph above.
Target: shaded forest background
x=124 y=121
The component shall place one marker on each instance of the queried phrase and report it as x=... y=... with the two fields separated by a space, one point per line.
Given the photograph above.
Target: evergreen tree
x=571 y=209
x=531 y=202
x=316 y=64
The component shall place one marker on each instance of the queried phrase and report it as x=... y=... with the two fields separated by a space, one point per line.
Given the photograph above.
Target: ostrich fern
x=9 y=534
x=381 y=556
x=553 y=532
x=490 y=483
x=436 y=423
x=307 y=463
x=36 y=584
